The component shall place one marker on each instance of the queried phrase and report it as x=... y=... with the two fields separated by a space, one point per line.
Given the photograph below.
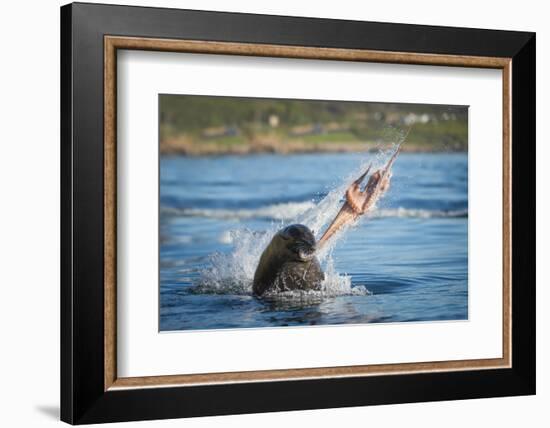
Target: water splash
x=233 y=273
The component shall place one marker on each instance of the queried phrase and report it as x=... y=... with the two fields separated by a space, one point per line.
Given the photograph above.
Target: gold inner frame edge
x=113 y=43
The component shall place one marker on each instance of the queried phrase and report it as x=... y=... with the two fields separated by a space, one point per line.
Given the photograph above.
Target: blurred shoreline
x=183 y=146
x=195 y=125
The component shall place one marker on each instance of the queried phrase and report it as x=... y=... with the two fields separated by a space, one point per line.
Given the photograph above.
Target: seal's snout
x=306 y=247
x=305 y=252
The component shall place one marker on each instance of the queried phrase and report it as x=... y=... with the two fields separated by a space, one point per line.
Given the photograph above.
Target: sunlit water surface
x=407 y=261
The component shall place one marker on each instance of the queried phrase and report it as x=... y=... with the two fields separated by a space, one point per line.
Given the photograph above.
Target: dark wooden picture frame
x=90 y=389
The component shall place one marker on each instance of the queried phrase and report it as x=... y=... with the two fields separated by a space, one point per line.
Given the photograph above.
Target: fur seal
x=289 y=262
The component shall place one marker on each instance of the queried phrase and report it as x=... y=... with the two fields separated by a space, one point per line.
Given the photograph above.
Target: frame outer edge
x=82 y=394
x=66 y=143
x=524 y=216
x=241 y=27
x=87 y=211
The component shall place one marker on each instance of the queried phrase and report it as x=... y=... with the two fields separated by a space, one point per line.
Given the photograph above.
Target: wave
x=418 y=213
x=282 y=211
x=291 y=210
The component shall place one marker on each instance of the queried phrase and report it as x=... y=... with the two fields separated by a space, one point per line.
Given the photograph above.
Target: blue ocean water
x=407 y=261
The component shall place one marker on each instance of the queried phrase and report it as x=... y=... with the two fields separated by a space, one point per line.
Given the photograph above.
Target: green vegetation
x=342 y=137
x=192 y=124
x=231 y=141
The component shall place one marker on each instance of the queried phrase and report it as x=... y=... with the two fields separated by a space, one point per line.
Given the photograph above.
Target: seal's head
x=296 y=242
x=289 y=262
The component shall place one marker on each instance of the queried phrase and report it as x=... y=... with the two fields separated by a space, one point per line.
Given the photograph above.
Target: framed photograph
x=266 y=213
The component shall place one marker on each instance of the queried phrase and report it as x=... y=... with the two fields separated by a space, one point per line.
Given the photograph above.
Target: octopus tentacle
x=359 y=202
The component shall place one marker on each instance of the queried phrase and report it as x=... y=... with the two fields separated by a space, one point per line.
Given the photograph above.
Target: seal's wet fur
x=289 y=262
